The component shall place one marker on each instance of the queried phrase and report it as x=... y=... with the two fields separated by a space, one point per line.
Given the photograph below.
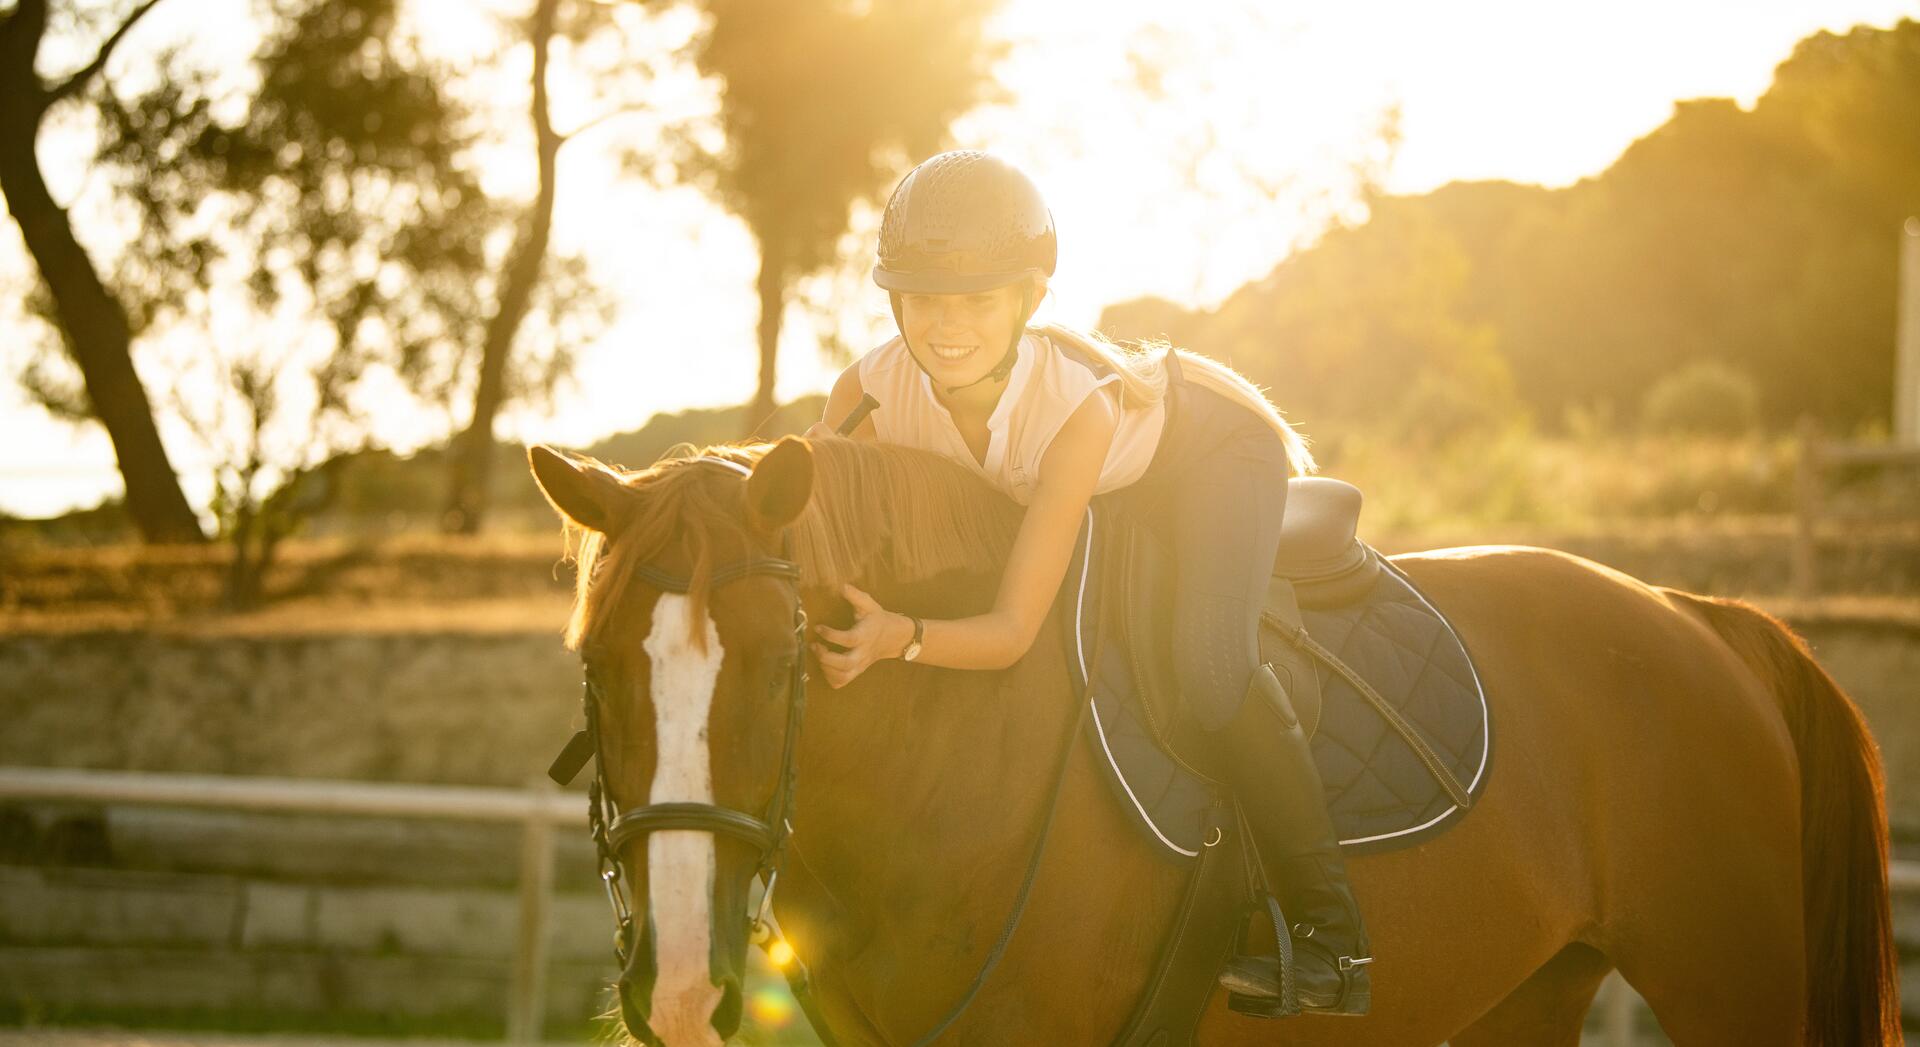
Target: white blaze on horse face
x=680 y=864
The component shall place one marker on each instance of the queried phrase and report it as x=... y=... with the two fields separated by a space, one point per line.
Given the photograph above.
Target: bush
x=1703 y=398
x=1438 y=410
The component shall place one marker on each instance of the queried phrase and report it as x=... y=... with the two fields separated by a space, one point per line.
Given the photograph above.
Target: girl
x=1053 y=416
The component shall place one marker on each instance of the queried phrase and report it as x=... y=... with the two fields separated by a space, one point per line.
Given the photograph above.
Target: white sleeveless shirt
x=1043 y=390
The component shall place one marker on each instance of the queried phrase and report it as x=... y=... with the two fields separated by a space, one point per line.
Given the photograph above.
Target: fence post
x=1806 y=509
x=526 y=1001
x=1620 y=1001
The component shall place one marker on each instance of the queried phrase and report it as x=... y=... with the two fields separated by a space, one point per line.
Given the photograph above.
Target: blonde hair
x=1143 y=381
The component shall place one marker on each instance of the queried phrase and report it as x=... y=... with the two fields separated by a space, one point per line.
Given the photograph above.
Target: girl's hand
x=877 y=633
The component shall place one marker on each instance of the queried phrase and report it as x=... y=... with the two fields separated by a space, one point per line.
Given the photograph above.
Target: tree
x=470 y=456
x=471 y=453
x=341 y=198
x=92 y=320
x=1384 y=298
x=823 y=105
x=333 y=213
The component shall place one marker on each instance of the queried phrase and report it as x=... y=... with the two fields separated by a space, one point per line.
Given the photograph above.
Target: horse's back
x=1637 y=764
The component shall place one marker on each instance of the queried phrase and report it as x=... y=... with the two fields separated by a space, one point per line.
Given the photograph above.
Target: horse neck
x=920 y=787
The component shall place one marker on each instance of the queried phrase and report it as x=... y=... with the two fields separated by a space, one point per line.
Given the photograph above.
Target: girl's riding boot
x=1278 y=786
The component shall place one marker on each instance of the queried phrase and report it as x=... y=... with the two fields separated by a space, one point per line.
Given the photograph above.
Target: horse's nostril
x=726 y=1017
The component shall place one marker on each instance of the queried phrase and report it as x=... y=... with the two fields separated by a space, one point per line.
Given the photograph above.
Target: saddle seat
x=1317 y=531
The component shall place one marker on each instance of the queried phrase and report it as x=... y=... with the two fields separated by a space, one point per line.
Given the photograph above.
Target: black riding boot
x=1278 y=786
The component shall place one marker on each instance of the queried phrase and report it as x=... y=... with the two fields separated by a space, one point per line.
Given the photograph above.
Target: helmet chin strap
x=1000 y=370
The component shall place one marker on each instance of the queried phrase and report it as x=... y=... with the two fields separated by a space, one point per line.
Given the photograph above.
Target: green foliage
x=341 y=177
x=1513 y=477
x=1339 y=344
x=1706 y=398
x=334 y=197
x=823 y=105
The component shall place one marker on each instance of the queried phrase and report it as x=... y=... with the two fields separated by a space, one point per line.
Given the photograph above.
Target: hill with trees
x=1761 y=241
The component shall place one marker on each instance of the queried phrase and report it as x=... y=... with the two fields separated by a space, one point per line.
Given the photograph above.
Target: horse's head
x=689 y=624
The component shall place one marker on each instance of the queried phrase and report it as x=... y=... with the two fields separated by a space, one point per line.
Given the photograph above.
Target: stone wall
x=484 y=707
x=475 y=708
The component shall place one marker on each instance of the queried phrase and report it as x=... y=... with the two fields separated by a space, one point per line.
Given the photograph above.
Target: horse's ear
x=583 y=490
x=781 y=483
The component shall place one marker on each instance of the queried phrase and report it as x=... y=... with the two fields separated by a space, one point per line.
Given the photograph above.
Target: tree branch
x=625 y=110
x=72 y=84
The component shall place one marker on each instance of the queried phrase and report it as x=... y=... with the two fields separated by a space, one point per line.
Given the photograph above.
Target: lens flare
x=780 y=953
x=770 y=1008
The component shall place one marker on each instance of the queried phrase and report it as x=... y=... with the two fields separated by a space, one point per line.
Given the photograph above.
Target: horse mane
x=877 y=510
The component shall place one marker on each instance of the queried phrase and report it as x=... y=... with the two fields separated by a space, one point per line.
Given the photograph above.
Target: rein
x=769 y=833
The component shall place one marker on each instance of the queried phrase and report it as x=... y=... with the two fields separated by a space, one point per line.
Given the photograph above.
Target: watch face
x=912 y=652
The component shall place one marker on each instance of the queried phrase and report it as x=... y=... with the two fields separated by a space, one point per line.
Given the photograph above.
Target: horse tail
x=1853 y=991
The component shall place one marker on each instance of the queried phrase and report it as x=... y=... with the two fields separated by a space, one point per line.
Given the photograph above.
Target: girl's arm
x=841 y=401
x=1069 y=472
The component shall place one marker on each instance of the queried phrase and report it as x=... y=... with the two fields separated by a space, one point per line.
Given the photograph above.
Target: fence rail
x=1817 y=456
x=538 y=807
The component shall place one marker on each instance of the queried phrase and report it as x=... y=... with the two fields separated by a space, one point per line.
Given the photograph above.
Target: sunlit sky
x=1248 y=148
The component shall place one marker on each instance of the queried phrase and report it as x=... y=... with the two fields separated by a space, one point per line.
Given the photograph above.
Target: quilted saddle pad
x=1378 y=792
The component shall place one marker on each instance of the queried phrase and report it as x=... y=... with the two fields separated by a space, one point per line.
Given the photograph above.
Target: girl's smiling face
x=959 y=337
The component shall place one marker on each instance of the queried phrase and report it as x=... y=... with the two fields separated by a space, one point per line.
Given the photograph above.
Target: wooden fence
x=537 y=809
x=1819 y=456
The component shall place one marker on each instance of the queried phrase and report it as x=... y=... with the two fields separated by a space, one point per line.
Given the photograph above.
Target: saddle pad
x=1378 y=793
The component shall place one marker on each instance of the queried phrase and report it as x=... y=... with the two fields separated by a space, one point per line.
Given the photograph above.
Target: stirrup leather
x=1268 y=986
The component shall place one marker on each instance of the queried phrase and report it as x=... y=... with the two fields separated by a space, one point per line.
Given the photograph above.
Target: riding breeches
x=1215 y=492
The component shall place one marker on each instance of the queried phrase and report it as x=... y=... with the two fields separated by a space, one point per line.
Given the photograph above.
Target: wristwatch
x=912 y=650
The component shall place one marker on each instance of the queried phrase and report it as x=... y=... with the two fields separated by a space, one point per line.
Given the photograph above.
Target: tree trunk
x=93 y=323
x=772 y=286
x=471 y=458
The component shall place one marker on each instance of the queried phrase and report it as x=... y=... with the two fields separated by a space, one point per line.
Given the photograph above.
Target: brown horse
x=1682 y=793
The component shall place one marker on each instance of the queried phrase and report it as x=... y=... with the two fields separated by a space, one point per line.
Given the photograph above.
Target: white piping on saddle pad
x=680 y=863
x=1099 y=729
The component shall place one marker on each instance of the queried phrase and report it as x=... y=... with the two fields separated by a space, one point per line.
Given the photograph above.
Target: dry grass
x=1708 y=515
x=411 y=582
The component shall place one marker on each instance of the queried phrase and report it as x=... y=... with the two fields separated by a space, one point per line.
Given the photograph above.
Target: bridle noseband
x=767 y=833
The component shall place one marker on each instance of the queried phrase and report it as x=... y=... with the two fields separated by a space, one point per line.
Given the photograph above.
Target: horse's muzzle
x=682 y=1026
